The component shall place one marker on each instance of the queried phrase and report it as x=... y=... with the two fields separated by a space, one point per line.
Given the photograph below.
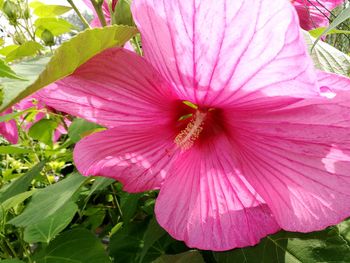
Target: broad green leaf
x=2 y=41
x=192 y=256
x=46 y=230
x=122 y=14
x=28 y=69
x=56 y=26
x=14 y=150
x=6 y=50
x=43 y=131
x=153 y=233
x=344 y=15
x=287 y=247
x=7 y=72
x=79 y=127
x=21 y=184
x=14 y=201
x=46 y=202
x=51 y=10
x=75 y=246
x=71 y=55
x=27 y=49
x=328 y=58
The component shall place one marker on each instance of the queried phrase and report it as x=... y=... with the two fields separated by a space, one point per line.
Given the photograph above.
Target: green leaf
x=122 y=13
x=344 y=230
x=28 y=69
x=71 y=55
x=153 y=233
x=46 y=230
x=6 y=50
x=27 y=49
x=14 y=201
x=287 y=247
x=14 y=150
x=21 y=184
x=14 y=115
x=79 y=127
x=319 y=32
x=192 y=256
x=12 y=261
x=7 y=72
x=57 y=26
x=51 y=10
x=328 y=58
x=344 y=15
x=78 y=245
x=100 y=183
x=129 y=204
x=48 y=201
x=126 y=243
x=43 y=131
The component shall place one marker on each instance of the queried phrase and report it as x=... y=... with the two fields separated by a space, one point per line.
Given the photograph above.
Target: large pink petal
x=9 y=129
x=298 y=158
x=139 y=158
x=315 y=13
x=225 y=52
x=206 y=201
x=116 y=87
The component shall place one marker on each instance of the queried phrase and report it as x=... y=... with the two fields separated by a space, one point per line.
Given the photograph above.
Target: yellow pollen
x=186 y=138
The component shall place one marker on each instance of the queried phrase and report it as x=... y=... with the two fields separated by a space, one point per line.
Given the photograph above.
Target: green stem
x=99 y=11
x=83 y=20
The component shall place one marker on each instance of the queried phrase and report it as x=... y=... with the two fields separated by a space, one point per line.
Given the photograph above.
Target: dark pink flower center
x=195 y=124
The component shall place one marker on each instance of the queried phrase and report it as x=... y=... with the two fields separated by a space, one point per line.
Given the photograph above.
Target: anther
x=186 y=138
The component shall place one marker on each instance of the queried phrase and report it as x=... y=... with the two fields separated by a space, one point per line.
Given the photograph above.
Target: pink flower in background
x=105 y=8
x=226 y=116
x=315 y=13
x=9 y=128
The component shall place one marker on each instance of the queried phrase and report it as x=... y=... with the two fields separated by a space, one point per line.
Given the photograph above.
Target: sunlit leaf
x=57 y=26
x=44 y=10
x=7 y=72
x=27 y=49
x=71 y=55
x=328 y=58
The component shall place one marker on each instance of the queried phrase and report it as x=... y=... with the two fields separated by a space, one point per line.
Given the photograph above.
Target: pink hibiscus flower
x=315 y=13
x=9 y=128
x=257 y=148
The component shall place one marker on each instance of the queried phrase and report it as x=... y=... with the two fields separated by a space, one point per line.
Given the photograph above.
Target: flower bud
x=11 y=10
x=48 y=38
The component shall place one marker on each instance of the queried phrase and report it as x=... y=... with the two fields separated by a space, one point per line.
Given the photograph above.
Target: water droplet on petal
x=327 y=92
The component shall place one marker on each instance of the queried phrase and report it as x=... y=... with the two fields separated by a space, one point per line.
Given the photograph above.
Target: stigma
x=187 y=137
